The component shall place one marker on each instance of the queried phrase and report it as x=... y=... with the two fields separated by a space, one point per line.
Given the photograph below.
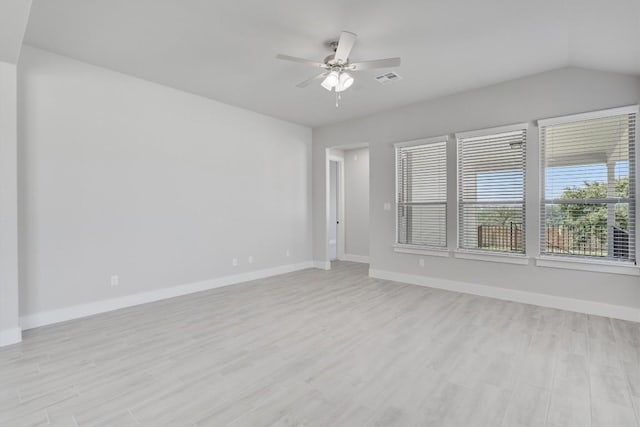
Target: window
x=421 y=193
x=491 y=188
x=588 y=185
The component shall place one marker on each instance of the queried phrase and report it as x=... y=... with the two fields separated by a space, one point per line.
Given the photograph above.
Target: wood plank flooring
x=326 y=348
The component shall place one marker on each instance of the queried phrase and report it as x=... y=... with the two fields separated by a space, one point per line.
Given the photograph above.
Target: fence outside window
x=560 y=239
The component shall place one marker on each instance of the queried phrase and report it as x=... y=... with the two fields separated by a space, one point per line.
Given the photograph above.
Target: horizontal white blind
x=491 y=189
x=588 y=187
x=422 y=194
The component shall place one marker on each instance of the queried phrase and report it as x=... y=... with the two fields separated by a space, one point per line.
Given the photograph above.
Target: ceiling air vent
x=387 y=78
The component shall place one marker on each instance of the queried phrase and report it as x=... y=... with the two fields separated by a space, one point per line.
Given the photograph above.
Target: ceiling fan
x=337 y=67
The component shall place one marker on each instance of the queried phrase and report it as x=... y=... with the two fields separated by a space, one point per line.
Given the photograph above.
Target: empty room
x=337 y=213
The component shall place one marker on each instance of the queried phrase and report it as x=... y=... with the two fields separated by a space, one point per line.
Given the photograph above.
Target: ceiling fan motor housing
x=330 y=60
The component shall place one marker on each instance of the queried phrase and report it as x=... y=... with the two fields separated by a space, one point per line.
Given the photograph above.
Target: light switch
x=387 y=206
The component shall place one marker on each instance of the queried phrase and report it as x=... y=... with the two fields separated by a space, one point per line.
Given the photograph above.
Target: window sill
x=421 y=250
x=599 y=266
x=492 y=257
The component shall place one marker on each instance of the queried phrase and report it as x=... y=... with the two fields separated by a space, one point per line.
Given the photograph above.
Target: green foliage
x=593 y=216
x=554 y=215
x=585 y=223
x=500 y=216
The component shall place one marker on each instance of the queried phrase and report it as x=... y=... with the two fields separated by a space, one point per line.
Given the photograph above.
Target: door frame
x=340 y=234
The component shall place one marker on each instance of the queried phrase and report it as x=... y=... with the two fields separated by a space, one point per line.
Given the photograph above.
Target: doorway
x=347 y=204
x=335 y=205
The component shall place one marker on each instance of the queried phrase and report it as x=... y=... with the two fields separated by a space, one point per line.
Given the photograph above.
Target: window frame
x=586 y=262
x=483 y=254
x=442 y=251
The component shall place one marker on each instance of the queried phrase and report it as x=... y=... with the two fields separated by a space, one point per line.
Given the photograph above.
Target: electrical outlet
x=421 y=262
x=288 y=253
x=234 y=262
x=115 y=280
x=250 y=259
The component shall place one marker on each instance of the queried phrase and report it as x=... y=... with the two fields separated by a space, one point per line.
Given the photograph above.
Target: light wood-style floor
x=319 y=348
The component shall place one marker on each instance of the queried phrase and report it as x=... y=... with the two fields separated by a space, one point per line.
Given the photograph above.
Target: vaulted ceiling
x=225 y=49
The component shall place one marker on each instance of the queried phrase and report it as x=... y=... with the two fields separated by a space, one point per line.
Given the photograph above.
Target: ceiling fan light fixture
x=345 y=82
x=331 y=81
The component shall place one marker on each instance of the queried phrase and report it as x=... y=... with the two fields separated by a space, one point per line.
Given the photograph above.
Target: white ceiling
x=226 y=50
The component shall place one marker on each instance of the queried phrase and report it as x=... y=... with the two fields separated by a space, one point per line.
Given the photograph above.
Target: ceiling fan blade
x=376 y=63
x=311 y=80
x=301 y=60
x=345 y=44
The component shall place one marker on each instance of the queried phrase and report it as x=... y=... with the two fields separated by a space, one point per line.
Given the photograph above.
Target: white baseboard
x=544 y=300
x=10 y=336
x=89 y=309
x=356 y=258
x=322 y=265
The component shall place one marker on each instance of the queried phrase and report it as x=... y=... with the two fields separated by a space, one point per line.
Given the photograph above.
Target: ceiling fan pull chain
x=337 y=99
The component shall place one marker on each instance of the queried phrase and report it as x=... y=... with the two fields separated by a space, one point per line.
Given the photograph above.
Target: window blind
x=491 y=189
x=421 y=196
x=588 y=184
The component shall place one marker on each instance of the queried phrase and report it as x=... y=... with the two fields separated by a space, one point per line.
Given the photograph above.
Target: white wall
x=9 y=330
x=356 y=202
x=556 y=93
x=123 y=176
